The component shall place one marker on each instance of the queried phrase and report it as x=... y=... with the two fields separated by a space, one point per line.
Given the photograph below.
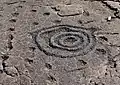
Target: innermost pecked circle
x=70 y=41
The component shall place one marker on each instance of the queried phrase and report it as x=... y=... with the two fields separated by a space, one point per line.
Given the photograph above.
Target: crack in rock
x=68 y=10
x=115 y=6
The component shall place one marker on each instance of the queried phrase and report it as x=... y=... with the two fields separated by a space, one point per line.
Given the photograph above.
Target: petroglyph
x=65 y=40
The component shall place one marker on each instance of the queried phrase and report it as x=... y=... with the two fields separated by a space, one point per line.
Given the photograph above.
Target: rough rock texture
x=59 y=42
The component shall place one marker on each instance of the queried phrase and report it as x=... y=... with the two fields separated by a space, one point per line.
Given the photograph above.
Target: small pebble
x=109 y=18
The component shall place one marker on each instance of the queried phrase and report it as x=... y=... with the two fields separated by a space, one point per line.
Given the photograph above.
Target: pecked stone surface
x=59 y=42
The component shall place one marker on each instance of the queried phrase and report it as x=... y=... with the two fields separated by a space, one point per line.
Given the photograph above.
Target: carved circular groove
x=69 y=41
x=65 y=41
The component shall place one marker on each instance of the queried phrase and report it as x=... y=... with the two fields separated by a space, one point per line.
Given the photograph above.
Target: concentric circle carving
x=65 y=41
